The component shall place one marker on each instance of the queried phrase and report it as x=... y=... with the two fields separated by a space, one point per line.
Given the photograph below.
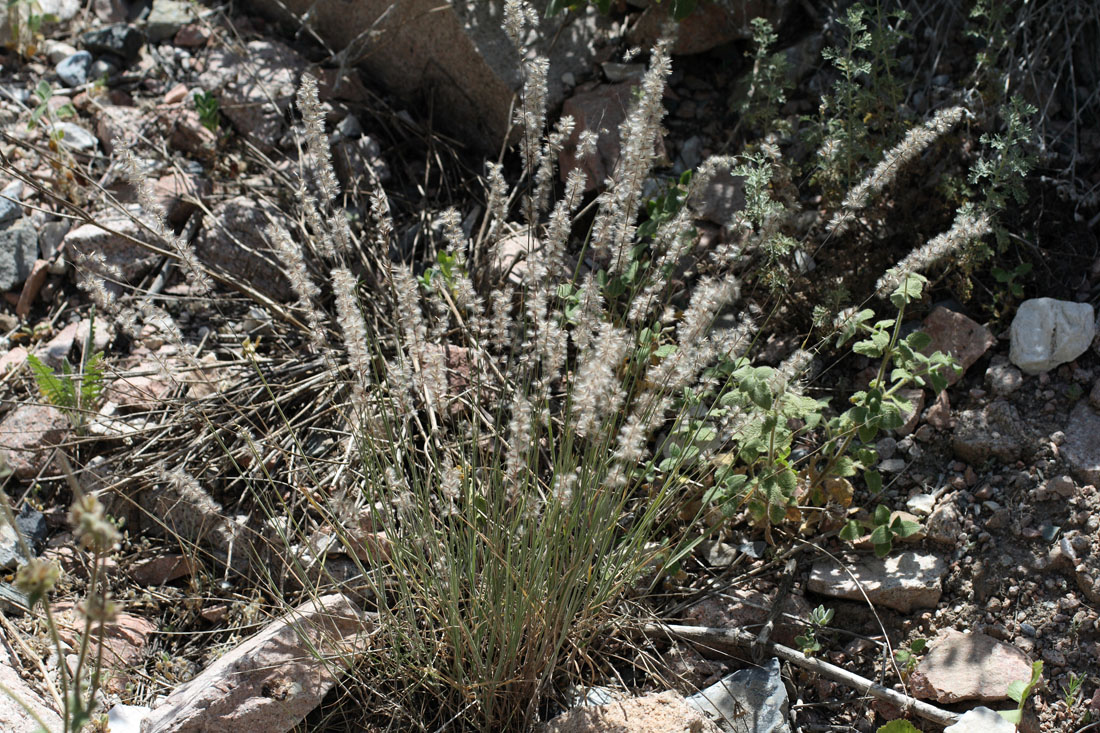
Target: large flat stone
x=272 y=680
x=654 y=713
x=1082 y=446
x=968 y=666
x=456 y=54
x=13 y=717
x=902 y=581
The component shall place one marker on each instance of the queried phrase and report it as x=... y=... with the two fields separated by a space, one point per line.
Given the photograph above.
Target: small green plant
x=1072 y=690
x=898 y=726
x=858 y=119
x=75 y=391
x=209 y=110
x=907 y=658
x=808 y=641
x=44 y=92
x=1020 y=691
x=769 y=85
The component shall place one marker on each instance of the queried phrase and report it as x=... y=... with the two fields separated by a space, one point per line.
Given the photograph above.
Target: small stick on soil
x=735 y=637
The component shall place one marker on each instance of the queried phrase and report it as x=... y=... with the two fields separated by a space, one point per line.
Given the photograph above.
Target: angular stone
x=119 y=39
x=665 y=712
x=255 y=89
x=14 y=718
x=18 y=252
x=166 y=18
x=956 y=335
x=1003 y=378
x=902 y=581
x=455 y=54
x=27 y=434
x=124 y=642
x=1082 y=446
x=752 y=699
x=710 y=24
x=179 y=194
x=234 y=243
x=598 y=109
x=162 y=569
x=1048 y=332
x=743 y=608
x=981 y=720
x=944 y=524
x=272 y=680
x=995 y=431
x=73 y=71
x=968 y=666
x=131 y=261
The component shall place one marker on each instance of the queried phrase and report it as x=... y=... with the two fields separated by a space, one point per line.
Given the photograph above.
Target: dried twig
x=713 y=637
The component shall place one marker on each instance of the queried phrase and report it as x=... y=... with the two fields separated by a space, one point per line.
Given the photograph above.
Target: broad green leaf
x=898 y=726
x=873 y=479
x=880 y=535
x=845 y=467
x=1012 y=716
x=882 y=514
x=852 y=531
x=904 y=527
x=918 y=340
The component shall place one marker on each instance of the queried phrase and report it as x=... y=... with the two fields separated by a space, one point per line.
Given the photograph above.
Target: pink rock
x=124 y=641
x=26 y=436
x=939 y=414
x=188 y=135
x=915 y=397
x=132 y=261
x=116 y=122
x=598 y=108
x=140 y=392
x=233 y=241
x=255 y=90
x=710 y=24
x=665 y=712
x=955 y=334
x=179 y=193
x=746 y=608
x=176 y=94
x=14 y=717
x=162 y=569
x=58 y=348
x=968 y=666
x=273 y=679
x=191 y=36
x=13 y=359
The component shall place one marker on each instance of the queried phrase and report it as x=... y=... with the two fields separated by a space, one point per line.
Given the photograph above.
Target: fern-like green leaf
x=56 y=390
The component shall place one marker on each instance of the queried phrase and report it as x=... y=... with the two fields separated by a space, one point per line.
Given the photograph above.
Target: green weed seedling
x=1020 y=691
x=808 y=642
x=898 y=726
x=907 y=658
x=76 y=392
x=209 y=110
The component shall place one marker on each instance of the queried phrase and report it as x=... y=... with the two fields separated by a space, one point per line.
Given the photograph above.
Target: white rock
x=126 y=718
x=1048 y=332
x=981 y=720
x=921 y=504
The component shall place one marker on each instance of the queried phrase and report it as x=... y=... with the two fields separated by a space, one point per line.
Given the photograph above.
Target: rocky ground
x=1001 y=469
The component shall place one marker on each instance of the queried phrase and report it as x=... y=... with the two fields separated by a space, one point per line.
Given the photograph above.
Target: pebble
x=1027 y=629
x=73 y=70
x=921 y=504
